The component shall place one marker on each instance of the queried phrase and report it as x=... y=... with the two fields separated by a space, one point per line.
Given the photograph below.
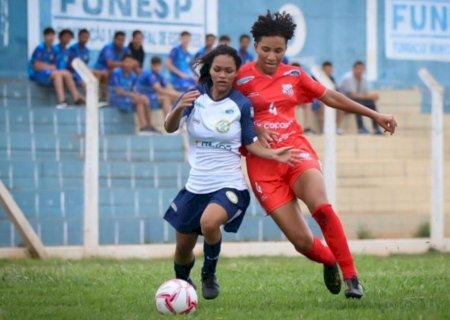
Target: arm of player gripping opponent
x=173 y=118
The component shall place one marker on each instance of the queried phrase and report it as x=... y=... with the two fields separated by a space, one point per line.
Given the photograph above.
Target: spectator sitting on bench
x=79 y=50
x=65 y=36
x=42 y=69
x=153 y=85
x=109 y=58
x=123 y=95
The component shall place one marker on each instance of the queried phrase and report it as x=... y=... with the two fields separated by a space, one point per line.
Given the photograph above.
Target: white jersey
x=217 y=129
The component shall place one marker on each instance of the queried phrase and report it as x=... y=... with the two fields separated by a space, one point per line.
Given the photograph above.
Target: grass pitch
x=397 y=287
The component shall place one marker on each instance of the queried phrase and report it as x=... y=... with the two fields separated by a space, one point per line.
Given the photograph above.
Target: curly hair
x=207 y=61
x=274 y=24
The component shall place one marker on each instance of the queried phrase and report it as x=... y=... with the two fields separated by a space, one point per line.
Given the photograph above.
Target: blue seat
x=154 y=230
x=130 y=231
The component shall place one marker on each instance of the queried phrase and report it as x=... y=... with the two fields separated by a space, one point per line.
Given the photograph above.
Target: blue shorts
x=125 y=104
x=315 y=106
x=43 y=77
x=153 y=99
x=77 y=78
x=187 y=208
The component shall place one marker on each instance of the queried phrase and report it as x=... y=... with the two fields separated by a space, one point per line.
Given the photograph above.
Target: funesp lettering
x=421 y=16
x=129 y=8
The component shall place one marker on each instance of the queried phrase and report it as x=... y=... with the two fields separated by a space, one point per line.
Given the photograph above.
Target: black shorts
x=187 y=208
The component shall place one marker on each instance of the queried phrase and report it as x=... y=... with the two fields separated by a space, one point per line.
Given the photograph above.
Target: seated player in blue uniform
x=65 y=36
x=79 y=50
x=219 y=121
x=152 y=84
x=109 y=58
x=123 y=95
x=179 y=64
x=210 y=40
x=42 y=69
x=244 y=43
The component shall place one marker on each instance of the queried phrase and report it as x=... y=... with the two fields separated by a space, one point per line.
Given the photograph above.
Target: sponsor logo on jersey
x=232 y=197
x=223 y=126
x=253 y=94
x=287 y=89
x=229 y=111
x=212 y=145
x=245 y=80
x=275 y=125
x=293 y=73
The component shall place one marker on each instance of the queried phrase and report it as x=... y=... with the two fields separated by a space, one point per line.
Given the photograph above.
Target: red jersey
x=275 y=97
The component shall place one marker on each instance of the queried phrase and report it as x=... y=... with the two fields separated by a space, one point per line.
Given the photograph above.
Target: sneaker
x=102 y=104
x=79 y=102
x=309 y=131
x=339 y=131
x=363 y=130
x=354 y=288
x=148 y=131
x=332 y=278
x=210 y=286
x=61 y=105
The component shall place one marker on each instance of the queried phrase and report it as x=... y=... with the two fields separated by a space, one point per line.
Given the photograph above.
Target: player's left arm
x=339 y=101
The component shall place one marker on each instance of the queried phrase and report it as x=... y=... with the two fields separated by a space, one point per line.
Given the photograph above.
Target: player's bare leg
x=213 y=217
x=310 y=187
x=58 y=83
x=184 y=258
x=290 y=220
x=70 y=84
x=141 y=112
x=166 y=104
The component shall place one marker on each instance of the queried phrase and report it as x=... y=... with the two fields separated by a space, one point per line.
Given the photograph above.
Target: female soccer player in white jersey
x=219 y=121
x=274 y=90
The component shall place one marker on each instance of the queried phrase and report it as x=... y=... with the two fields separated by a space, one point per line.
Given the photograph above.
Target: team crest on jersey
x=223 y=126
x=293 y=72
x=229 y=111
x=245 y=80
x=287 y=89
x=232 y=197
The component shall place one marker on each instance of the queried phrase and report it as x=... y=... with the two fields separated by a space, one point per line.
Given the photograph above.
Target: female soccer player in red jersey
x=274 y=90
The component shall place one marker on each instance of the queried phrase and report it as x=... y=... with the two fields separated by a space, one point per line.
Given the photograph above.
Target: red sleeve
x=308 y=89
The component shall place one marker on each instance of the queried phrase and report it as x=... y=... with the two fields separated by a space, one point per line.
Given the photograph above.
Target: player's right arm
x=173 y=119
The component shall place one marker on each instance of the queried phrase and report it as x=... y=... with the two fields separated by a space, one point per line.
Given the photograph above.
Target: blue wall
x=335 y=30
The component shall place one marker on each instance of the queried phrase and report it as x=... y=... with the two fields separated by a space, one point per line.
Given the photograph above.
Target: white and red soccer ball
x=176 y=297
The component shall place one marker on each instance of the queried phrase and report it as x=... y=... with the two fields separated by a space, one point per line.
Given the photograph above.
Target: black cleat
x=210 y=286
x=354 y=288
x=332 y=278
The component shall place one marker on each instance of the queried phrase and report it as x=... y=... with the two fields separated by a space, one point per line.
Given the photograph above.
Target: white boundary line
x=378 y=247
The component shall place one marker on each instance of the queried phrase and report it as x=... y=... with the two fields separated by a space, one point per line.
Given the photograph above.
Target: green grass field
x=397 y=287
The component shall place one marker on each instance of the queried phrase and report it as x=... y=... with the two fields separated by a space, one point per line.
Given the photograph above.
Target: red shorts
x=272 y=182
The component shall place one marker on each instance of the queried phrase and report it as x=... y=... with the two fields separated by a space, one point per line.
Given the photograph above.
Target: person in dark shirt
x=225 y=40
x=136 y=48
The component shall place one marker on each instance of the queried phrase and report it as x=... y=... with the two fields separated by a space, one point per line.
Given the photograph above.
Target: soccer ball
x=176 y=297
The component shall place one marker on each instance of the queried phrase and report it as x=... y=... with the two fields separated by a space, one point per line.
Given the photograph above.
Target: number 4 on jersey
x=273 y=109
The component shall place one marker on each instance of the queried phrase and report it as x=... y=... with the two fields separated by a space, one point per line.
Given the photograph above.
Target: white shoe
x=339 y=131
x=61 y=105
x=102 y=104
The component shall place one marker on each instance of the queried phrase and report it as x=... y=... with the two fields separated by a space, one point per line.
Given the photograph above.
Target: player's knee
x=303 y=243
x=183 y=250
x=209 y=226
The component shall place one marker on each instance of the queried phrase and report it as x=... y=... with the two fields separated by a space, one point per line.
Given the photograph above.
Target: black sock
x=212 y=253
x=182 y=271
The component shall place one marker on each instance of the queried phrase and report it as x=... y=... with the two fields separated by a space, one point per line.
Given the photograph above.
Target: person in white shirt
x=355 y=86
x=219 y=121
